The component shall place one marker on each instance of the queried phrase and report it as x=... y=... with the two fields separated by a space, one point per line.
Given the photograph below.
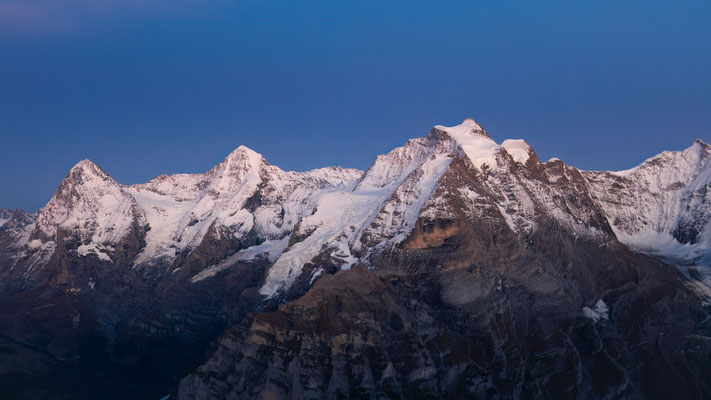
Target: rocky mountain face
x=454 y=267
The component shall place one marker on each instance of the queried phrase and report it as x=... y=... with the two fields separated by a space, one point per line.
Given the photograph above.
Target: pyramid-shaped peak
x=243 y=155
x=86 y=170
x=86 y=177
x=470 y=122
x=242 y=149
x=85 y=165
x=239 y=164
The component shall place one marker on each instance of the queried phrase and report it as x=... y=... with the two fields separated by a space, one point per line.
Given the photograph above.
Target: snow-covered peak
x=468 y=127
x=240 y=166
x=701 y=144
x=90 y=205
x=244 y=152
x=697 y=153
x=480 y=148
x=84 y=182
x=663 y=205
x=84 y=170
x=701 y=148
x=242 y=158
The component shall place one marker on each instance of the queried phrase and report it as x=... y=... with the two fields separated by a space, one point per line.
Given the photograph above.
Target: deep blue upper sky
x=145 y=87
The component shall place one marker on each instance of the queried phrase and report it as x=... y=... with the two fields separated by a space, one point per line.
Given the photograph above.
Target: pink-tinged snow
x=647 y=203
x=518 y=149
x=93 y=206
x=398 y=216
x=392 y=191
x=335 y=208
x=338 y=216
x=180 y=209
x=480 y=148
x=220 y=196
x=341 y=216
x=477 y=145
x=384 y=206
x=164 y=215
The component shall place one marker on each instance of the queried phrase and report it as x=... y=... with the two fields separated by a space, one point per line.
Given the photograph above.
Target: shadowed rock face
x=454 y=267
x=86 y=326
x=420 y=329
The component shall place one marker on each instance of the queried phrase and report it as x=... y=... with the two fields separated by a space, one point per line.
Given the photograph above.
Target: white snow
x=480 y=148
x=180 y=209
x=180 y=221
x=600 y=311
x=385 y=204
x=93 y=206
x=334 y=212
x=646 y=204
x=86 y=249
x=269 y=249
x=518 y=149
x=477 y=145
x=391 y=192
x=164 y=215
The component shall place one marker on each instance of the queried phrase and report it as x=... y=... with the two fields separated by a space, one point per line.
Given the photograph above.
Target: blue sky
x=156 y=86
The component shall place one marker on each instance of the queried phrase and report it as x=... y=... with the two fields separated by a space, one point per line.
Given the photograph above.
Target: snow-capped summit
x=468 y=127
x=91 y=208
x=240 y=159
x=480 y=147
x=343 y=216
x=387 y=202
x=241 y=165
x=86 y=173
x=87 y=191
x=662 y=206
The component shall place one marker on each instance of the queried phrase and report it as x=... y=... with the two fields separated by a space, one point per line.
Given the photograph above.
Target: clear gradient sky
x=145 y=87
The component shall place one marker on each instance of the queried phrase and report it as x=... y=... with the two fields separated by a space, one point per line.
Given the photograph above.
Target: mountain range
x=453 y=267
